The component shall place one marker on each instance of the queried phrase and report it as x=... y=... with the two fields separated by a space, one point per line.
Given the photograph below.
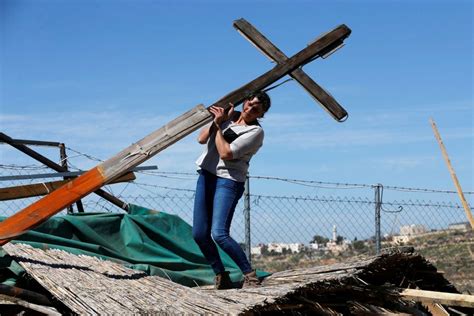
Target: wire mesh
x=315 y=211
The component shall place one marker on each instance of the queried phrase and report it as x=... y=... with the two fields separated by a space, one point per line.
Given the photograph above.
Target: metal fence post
x=63 y=163
x=63 y=156
x=378 y=206
x=247 y=218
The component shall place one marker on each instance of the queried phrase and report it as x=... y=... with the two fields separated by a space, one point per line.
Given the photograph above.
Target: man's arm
x=205 y=132
x=223 y=147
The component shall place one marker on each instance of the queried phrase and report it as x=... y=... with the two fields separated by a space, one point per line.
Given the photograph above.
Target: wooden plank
x=436 y=309
x=275 y=54
x=466 y=207
x=450 y=299
x=37 y=189
x=152 y=144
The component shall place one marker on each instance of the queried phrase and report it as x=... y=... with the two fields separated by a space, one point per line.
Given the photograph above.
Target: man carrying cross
x=231 y=141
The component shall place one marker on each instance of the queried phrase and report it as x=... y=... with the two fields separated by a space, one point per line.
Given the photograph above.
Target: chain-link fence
x=318 y=219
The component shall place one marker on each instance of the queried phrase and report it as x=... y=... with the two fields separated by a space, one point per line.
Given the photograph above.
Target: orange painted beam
x=51 y=204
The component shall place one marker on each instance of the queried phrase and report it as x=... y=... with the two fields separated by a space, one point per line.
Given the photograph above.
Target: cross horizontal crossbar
x=275 y=54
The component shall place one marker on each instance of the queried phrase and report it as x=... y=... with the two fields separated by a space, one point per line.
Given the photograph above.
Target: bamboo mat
x=89 y=285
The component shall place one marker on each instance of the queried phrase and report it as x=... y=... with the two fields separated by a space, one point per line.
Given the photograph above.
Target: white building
x=464 y=227
x=256 y=251
x=314 y=246
x=280 y=247
x=412 y=230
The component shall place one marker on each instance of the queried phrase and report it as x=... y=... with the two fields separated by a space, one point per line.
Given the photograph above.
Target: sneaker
x=251 y=279
x=223 y=281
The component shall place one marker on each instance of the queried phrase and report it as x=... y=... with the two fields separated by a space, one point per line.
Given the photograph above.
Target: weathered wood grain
x=311 y=52
x=88 y=285
x=327 y=102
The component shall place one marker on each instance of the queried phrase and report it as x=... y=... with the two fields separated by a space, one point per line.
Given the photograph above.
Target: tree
x=318 y=239
x=339 y=239
x=359 y=245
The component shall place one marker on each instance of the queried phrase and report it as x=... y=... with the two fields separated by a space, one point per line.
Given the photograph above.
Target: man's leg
x=227 y=195
x=202 y=219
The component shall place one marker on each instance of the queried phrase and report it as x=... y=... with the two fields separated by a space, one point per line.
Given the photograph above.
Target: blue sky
x=100 y=75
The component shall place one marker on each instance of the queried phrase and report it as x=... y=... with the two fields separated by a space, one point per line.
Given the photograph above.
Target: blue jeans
x=214 y=206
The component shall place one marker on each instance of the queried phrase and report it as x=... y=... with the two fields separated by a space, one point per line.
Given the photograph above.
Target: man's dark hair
x=263 y=97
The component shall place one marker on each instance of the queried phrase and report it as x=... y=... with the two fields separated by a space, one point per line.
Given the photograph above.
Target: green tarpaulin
x=154 y=242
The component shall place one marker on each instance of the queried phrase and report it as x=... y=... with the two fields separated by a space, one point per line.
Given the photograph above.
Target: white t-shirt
x=245 y=140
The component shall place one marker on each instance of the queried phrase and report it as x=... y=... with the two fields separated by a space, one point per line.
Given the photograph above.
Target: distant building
x=464 y=226
x=314 y=246
x=412 y=230
x=257 y=250
x=280 y=247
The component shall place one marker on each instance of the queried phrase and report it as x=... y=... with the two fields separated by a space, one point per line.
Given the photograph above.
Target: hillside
x=452 y=252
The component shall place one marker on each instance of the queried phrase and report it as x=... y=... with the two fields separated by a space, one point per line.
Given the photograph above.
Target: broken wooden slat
x=149 y=146
x=24 y=294
x=450 y=299
x=436 y=309
x=275 y=54
x=37 y=189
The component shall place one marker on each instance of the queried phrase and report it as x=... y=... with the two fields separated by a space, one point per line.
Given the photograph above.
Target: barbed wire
x=160 y=187
x=339 y=185
x=84 y=154
x=421 y=190
x=191 y=176
x=169 y=175
x=313 y=183
x=257 y=197
x=22 y=167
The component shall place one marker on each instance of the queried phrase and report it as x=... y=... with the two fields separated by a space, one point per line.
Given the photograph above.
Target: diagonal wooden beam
x=157 y=141
x=327 y=102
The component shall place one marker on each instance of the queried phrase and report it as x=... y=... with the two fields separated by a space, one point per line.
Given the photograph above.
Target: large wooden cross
x=271 y=51
x=130 y=157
